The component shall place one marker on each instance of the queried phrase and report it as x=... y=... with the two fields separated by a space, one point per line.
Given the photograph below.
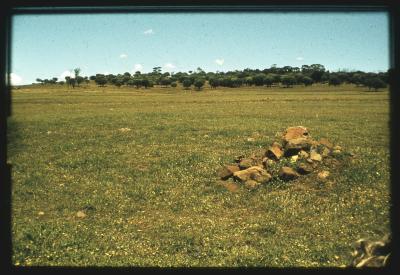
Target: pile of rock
x=296 y=147
x=372 y=253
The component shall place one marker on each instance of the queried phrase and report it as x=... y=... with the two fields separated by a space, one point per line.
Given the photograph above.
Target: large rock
x=315 y=156
x=288 y=173
x=255 y=173
x=304 y=168
x=275 y=151
x=227 y=171
x=294 y=146
x=295 y=133
x=246 y=163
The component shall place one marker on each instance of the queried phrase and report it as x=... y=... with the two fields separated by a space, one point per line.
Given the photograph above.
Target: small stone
x=261 y=177
x=246 y=174
x=251 y=139
x=294 y=158
x=323 y=175
x=40 y=213
x=251 y=184
x=309 y=160
x=304 y=168
x=227 y=171
x=245 y=163
x=238 y=158
x=287 y=173
x=274 y=152
x=315 y=156
x=337 y=147
x=336 y=153
x=325 y=152
x=303 y=154
x=80 y=214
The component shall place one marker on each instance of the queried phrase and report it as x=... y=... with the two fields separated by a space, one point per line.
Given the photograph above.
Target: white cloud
x=15 y=79
x=123 y=55
x=169 y=66
x=66 y=73
x=299 y=58
x=219 y=61
x=137 y=67
x=148 y=32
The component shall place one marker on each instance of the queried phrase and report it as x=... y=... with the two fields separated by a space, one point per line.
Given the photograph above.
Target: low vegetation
x=115 y=176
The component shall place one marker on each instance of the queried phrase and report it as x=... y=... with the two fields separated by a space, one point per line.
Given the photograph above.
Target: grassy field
x=151 y=194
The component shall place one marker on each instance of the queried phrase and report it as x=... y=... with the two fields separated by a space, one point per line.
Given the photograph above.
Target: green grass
x=151 y=194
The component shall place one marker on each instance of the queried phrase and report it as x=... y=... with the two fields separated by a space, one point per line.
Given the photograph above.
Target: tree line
x=286 y=77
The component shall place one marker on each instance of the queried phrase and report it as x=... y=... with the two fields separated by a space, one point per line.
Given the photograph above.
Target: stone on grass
x=255 y=173
x=336 y=153
x=294 y=146
x=287 y=173
x=295 y=133
x=315 y=156
x=323 y=175
x=325 y=152
x=303 y=154
x=294 y=158
x=304 y=168
x=275 y=151
x=80 y=214
x=309 y=161
x=251 y=184
x=245 y=163
x=337 y=147
x=227 y=171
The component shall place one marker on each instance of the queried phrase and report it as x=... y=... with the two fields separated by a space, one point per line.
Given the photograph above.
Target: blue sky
x=45 y=46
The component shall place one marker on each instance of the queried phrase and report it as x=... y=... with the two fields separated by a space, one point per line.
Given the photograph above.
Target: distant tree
x=187 y=83
x=92 y=77
x=39 y=80
x=259 y=79
x=198 y=83
x=70 y=81
x=173 y=84
x=101 y=80
x=137 y=82
x=268 y=80
x=146 y=83
x=214 y=82
x=288 y=80
x=334 y=80
x=54 y=79
x=375 y=83
x=357 y=79
x=249 y=81
x=307 y=81
x=76 y=73
x=79 y=79
x=61 y=82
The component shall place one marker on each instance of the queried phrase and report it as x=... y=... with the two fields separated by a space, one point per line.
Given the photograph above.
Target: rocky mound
x=296 y=147
x=369 y=253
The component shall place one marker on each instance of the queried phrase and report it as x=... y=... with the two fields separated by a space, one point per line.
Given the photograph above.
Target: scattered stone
x=80 y=214
x=40 y=213
x=326 y=143
x=251 y=184
x=230 y=186
x=227 y=171
x=275 y=151
x=124 y=129
x=294 y=146
x=261 y=177
x=315 y=156
x=371 y=253
x=309 y=160
x=294 y=158
x=251 y=139
x=325 y=152
x=323 y=175
x=304 y=168
x=288 y=173
x=255 y=173
x=303 y=154
x=295 y=133
x=337 y=147
x=238 y=158
x=245 y=163
x=336 y=153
